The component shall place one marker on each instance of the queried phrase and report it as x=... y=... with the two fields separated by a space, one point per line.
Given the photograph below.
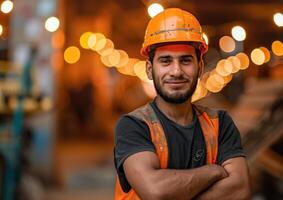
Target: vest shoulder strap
x=209 y=122
x=147 y=114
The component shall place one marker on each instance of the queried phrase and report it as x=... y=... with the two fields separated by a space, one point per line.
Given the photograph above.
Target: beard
x=178 y=97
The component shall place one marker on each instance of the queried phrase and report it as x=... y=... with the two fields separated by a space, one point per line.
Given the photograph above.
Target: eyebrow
x=168 y=56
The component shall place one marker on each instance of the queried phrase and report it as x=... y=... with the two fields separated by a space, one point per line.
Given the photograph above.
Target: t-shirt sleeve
x=131 y=136
x=229 y=140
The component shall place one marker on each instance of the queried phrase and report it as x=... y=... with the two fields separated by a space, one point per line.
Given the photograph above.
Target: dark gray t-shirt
x=186 y=144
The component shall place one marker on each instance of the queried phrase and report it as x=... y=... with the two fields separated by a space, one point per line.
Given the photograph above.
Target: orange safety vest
x=209 y=124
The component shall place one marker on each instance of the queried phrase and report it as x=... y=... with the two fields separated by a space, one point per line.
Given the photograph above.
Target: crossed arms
x=213 y=182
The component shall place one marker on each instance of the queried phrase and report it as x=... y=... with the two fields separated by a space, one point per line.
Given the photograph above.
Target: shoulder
x=128 y=121
x=211 y=112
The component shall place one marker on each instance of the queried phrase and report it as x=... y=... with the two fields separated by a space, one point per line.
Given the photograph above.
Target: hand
x=219 y=170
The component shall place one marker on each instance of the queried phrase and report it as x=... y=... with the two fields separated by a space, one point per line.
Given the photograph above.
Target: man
x=170 y=148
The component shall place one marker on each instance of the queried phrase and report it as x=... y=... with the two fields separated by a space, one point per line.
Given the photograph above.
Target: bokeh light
x=244 y=59
x=238 y=33
x=7 y=6
x=72 y=54
x=266 y=54
x=257 y=56
x=84 y=39
x=114 y=57
x=124 y=58
x=107 y=49
x=154 y=9
x=214 y=83
x=105 y=61
x=128 y=69
x=227 y=79
x=277 y=48
x=227 y=44
x=52 y=24
x=278 y=19
x=140 y=70
x=220 y=68
x=98 y=43
x=236 y=63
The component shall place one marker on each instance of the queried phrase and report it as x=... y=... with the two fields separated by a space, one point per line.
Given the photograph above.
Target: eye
x=186 y=60
x=165 y=61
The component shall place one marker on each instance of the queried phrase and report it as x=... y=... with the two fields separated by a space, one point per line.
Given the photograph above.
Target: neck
x=180 y=113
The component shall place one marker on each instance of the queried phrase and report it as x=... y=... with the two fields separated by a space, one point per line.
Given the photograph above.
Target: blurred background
x=70 y=69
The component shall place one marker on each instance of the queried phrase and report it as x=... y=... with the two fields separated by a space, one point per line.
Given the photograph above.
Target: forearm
x=234 y=187
x=226 y=189
x=183 y=184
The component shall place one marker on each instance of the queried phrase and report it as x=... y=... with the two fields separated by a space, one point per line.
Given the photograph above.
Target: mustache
x=179 y=78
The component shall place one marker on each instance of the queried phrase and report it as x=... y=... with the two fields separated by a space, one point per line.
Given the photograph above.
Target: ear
x=201 y=67
x=149 y=70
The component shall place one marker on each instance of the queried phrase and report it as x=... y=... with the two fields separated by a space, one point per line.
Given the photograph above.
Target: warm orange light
x=107 y=49
x=236 y=63
x=227 y=44
x=84 y=39
x=97 y=41
x=105 y=61
x=128 y=69
x=200 y=91
x=140 y=70
x=220 y=68
x=215 y=83
x=257 y=56
x=266 y=54
x=244 y=59
x=114 y=57
x=227 y=79
x=277 y=48
x=124 y=58
x=72 y=55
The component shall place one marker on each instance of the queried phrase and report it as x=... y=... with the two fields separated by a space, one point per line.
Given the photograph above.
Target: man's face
x=174 y=71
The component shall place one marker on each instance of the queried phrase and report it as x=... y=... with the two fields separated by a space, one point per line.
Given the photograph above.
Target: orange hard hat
x=173 y=25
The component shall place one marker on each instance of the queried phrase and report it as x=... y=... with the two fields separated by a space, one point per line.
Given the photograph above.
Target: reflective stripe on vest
x=208 y=120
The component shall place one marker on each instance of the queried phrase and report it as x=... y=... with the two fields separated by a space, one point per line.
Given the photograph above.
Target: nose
x=176 y=69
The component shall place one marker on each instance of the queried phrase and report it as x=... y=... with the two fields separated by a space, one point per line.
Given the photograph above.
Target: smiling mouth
x=176 y=82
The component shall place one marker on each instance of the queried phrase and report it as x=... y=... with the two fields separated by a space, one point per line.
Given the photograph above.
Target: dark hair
x=152 y=49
